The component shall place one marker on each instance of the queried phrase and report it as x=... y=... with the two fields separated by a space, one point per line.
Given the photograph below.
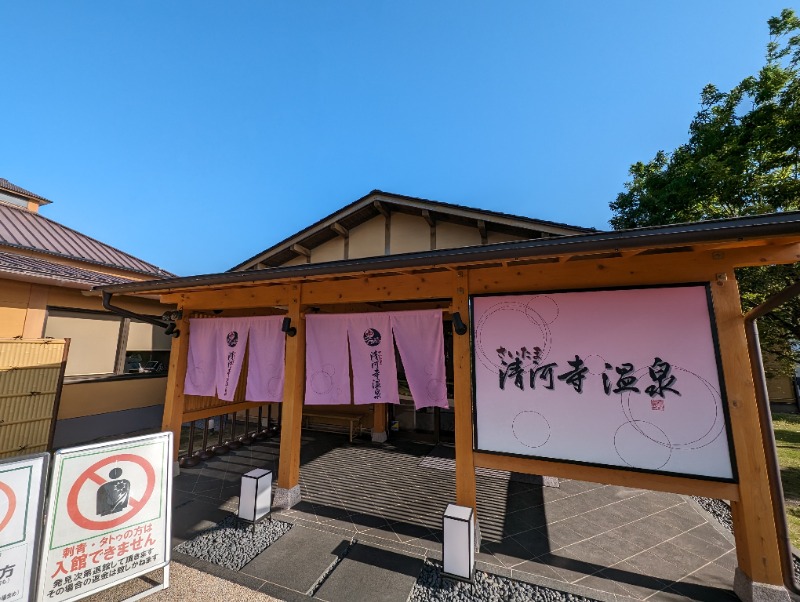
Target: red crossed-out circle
x=12 y=504
x=90 y=474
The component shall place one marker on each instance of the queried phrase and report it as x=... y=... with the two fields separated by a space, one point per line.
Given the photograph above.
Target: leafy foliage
x=742 y=158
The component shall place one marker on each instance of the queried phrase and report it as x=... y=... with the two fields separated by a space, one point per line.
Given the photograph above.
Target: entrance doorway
x=433 y=425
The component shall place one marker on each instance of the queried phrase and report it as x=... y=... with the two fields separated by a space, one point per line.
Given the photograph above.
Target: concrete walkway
x=371 y=515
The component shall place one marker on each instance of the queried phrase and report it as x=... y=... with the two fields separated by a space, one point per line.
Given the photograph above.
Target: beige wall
x=299 y=260
x=450 y=236
x=368 y=239
x=99 y=397
x=70 y=298
x=13 y=307
x=493 y=237
x=409 y=233
x=332 y=250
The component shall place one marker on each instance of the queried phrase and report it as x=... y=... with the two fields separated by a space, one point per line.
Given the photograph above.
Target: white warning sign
x=21 y=498
x=108 y=518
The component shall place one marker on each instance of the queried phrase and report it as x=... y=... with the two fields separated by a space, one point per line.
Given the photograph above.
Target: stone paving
x=371 y=514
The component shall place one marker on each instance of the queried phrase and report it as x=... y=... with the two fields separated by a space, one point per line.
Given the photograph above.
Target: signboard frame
x=58 y=490
x=726 y=430
x=32 y=556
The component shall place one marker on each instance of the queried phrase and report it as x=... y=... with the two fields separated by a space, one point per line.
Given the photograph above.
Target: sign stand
x=108 y=518
x=22 y=493
x=153 y=590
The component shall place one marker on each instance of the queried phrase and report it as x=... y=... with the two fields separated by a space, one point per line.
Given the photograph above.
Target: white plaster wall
x=332 y=250
x=368 y=239
x=493 y=237
x=450 y=236
x=409 y=233
x=300 y=259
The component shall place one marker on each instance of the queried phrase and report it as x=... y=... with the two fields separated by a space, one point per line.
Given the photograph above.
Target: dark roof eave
x=774 y=224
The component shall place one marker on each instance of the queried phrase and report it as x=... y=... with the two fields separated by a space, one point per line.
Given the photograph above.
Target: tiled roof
x=8 y=186
x=13 y=264
x=27 y=230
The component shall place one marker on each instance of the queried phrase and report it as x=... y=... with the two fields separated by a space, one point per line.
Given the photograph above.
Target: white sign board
x=108 y=518
x=22 y=490
x=626 y=378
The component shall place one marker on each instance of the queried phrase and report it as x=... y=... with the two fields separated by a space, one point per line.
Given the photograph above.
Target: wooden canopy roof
x=754 y=240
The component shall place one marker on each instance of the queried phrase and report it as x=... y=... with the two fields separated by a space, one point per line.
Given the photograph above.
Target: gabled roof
x=34 y=269
x=672 y=238
x=14 y=189
x=378 y=202
x=23 y=229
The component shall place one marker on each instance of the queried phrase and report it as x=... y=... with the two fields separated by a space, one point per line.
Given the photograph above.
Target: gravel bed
x=718 y=509
x=722 y=512
x=233 y=543
x=431 y=586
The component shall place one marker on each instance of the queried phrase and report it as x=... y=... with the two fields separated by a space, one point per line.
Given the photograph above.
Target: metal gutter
x=773 y=224
x=47 y=280
x=767 y=432
x=169 y=327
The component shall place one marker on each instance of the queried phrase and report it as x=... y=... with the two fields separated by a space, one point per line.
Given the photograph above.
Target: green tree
x=742 y=158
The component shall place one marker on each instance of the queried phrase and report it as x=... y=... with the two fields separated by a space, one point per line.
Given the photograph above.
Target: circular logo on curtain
x=372 y=337
x=233 y=338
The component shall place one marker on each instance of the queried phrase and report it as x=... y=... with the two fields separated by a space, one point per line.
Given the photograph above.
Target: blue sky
x=196 y=134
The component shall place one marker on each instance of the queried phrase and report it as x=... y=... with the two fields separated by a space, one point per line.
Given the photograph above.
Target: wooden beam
x=428 y=218
x=340 y=230
x=625 y=271
x=462 y=393
x=381 y=209
x=610 y=476
x=434 y=285
x=293 y=393
x=484 y=233
x=265 y=295
x=387 y=229
x=176 y=375
x=300 y=250
x=379 y=418
x=223 y=408
x=755 y=531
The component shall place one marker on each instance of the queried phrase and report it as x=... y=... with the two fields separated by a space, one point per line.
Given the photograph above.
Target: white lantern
x=458 y=548
x=255 y=497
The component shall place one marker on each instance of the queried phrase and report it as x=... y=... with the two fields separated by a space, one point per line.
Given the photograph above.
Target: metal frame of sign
x=32 y=557
x=55 y=481
x=720 y=375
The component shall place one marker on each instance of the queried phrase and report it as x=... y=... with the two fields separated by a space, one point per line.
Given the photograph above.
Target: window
x=147 y=349
x=107 y=344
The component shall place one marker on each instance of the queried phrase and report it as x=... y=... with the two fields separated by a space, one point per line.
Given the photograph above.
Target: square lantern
x=458 y=548
x=255 y=498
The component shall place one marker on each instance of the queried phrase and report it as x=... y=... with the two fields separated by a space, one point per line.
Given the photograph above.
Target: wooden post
x=292 y=411
x=462 y=385
x=379 y=430
x=753 y=522
x=174 y=401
